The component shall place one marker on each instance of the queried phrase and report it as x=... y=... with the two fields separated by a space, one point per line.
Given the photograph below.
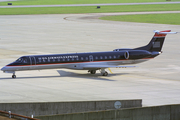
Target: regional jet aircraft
x=91 y=61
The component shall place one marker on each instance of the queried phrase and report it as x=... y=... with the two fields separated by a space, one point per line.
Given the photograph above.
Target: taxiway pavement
x=156 y=81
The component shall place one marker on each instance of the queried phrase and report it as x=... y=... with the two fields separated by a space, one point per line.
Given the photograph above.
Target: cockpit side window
x=24 y=60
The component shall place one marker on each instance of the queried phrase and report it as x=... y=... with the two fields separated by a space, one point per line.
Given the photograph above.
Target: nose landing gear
x=13 y=76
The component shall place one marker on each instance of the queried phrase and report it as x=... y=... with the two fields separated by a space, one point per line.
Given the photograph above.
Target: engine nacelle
x=137 y=54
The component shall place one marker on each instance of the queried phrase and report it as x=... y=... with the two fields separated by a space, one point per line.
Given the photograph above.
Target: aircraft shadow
x=96 y=76
x=62 y=73
x=29 y=77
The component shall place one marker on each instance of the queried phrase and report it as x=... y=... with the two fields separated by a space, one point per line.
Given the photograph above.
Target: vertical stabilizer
x=157 y=41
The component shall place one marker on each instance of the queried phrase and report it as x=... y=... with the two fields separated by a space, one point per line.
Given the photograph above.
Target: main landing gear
x=103 y=72
x=92 y=71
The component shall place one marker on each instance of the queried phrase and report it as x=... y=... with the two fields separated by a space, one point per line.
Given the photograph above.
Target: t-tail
x=156 y=43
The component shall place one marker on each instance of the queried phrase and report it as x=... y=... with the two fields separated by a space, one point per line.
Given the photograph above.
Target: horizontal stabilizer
x=164 y=32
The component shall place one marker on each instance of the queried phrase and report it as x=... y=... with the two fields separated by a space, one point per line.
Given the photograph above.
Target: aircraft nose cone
x=4 y=68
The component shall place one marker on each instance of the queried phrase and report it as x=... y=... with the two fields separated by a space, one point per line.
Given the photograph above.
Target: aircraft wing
x=104 y=66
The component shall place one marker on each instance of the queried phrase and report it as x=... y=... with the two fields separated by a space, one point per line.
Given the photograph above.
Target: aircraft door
x=90 y=58
x=32 y=60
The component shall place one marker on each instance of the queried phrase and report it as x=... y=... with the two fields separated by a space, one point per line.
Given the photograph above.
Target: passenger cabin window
x=96 y=57
x=86 y=58
x=114 y=57
x=110 y=57
x=81 y=58
x=105 y=57
x=101 y=57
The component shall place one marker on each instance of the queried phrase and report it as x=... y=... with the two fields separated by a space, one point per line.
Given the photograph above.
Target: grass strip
x=56 y=2
x=88 y=9
x=171 y=18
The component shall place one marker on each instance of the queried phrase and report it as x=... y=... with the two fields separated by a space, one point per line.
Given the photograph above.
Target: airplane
x=91 y=61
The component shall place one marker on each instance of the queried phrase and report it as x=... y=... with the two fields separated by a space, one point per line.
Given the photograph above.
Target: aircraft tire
x=105 y=74
x=13 y=76
x=93 y=71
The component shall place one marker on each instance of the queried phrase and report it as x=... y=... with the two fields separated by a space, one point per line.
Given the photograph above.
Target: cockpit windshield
x=22 y=60
x=19 y=60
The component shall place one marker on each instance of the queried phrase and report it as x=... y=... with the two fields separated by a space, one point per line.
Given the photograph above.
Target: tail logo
x=156 y=44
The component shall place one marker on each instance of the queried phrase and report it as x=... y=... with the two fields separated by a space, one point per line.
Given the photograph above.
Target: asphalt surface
x=73 y=5
x=156 y=81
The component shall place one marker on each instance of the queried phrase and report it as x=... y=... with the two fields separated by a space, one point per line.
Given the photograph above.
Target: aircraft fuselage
x=78 y=60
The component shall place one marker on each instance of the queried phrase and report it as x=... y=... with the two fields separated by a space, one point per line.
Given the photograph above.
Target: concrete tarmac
x=156 y=81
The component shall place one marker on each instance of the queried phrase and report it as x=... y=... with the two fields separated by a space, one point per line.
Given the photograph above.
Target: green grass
x=173 y=18
x=53 y=2
x=88 y=9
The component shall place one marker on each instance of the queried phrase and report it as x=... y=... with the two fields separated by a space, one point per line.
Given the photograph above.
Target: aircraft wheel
x=93 y=71
x=105 y=74
x=13 y=76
